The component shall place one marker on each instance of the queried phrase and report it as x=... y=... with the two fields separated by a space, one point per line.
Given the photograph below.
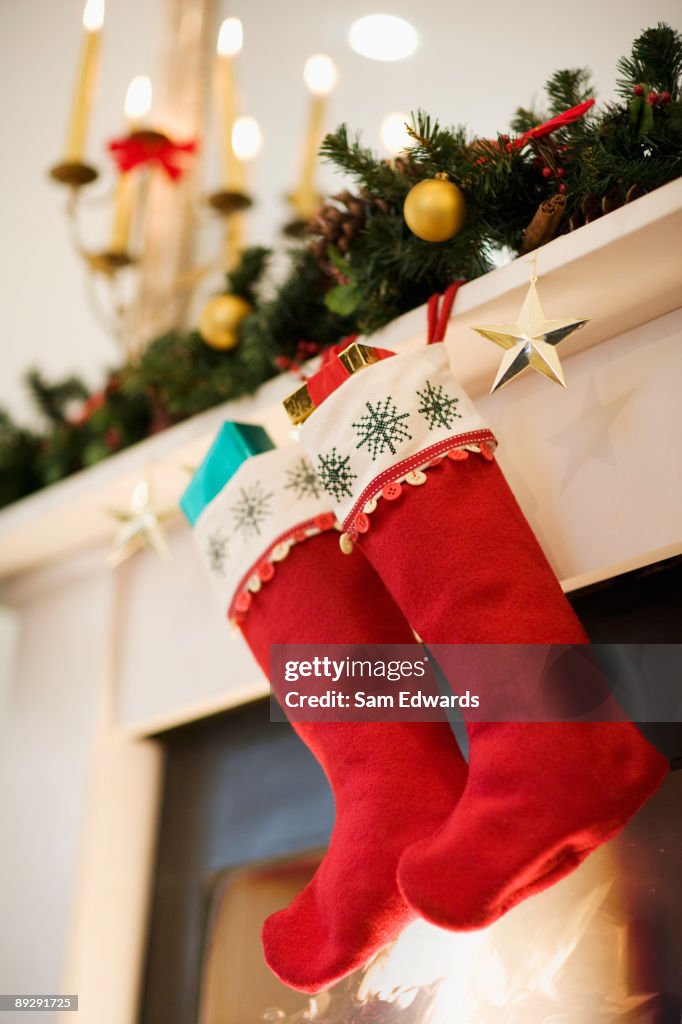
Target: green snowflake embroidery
x=382 y=428
x=303 y=481
x=251 y=511
x=437 y=407
x=217 y=552
x=336 y=475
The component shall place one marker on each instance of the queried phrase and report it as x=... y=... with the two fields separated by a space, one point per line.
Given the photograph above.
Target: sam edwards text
x=362 y=699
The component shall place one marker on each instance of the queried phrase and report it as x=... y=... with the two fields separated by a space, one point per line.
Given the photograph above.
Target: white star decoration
x=140 y=527
x=531 y=341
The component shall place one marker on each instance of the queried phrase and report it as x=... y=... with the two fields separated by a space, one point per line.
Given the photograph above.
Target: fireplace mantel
x=594 y=467
x=622 y=271
x=107 y=660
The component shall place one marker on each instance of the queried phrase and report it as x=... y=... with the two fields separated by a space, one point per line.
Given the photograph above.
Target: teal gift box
x=235 y=443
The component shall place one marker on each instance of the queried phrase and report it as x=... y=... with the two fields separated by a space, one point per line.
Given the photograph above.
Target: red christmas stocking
x=410 y=467
x=284 y=579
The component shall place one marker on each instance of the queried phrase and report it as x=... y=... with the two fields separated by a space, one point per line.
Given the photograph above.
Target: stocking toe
x=312 y=944
x=525 y=823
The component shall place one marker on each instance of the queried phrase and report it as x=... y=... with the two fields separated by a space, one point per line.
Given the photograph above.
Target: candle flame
x=138 y=101
x=247 y=138
x=93 y=15
x=319 y=74
x=230 y=38
x=394 y=133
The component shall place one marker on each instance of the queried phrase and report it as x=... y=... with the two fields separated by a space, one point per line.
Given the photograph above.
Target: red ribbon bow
x=142 y=148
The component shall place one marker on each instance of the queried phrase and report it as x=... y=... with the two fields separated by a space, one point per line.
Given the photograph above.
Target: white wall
x=476 y=63
x=9 y=628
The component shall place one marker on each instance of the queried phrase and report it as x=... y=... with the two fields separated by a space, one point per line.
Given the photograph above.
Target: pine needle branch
x=567 y=88
x=656 y=61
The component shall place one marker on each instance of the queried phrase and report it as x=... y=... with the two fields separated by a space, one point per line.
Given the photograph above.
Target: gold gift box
x=299 y=405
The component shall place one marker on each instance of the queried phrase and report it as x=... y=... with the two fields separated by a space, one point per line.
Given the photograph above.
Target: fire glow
x=564 y=952
x=558 y=951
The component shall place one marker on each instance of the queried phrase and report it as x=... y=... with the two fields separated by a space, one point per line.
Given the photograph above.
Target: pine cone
x=404 y=165
x=338 y=223
x=593 y=207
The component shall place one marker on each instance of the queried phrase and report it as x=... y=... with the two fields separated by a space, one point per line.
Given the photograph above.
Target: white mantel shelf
x=622 y=271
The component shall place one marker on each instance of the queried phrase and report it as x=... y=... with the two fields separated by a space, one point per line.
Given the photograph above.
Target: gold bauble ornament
x=220 y=320
x=435 y=209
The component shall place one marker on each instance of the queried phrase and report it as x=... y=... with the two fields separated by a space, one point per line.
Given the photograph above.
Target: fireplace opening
x=236 y=984
x=584 y=952
x=604 y=946
x=247 y=811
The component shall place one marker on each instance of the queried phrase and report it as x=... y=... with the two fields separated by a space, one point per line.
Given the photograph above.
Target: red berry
x=112 y=439
x=561 y=188
x=561 y=172
x=547 y=172
x=638 y=90
x=282 y=362
x=652 y=98
x=664 y=97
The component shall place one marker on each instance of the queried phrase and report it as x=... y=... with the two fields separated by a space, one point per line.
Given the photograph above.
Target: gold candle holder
x=73 y=173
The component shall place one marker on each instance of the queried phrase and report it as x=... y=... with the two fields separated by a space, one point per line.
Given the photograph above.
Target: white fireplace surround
x=104 y=659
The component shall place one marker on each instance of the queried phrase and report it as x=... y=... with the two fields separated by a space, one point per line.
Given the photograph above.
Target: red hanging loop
x=432 y=317
x=437 y=320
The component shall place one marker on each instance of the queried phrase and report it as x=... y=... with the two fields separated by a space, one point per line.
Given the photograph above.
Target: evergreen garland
x=378 y=269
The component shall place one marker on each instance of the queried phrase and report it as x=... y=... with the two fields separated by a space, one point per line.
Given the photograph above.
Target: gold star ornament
x=531 y=341
x=140 y=527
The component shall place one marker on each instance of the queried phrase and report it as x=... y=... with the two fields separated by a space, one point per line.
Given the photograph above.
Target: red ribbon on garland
x=540 y=130
x=142 y=148
x=560 y=121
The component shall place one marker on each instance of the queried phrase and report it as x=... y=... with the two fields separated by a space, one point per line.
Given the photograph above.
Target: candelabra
x=146 y=158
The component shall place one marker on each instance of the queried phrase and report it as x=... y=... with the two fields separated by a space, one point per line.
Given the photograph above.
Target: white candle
x=319 y=74
x=230 y=41
x=86 y=78
x=247 y=141
x=138 y=103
